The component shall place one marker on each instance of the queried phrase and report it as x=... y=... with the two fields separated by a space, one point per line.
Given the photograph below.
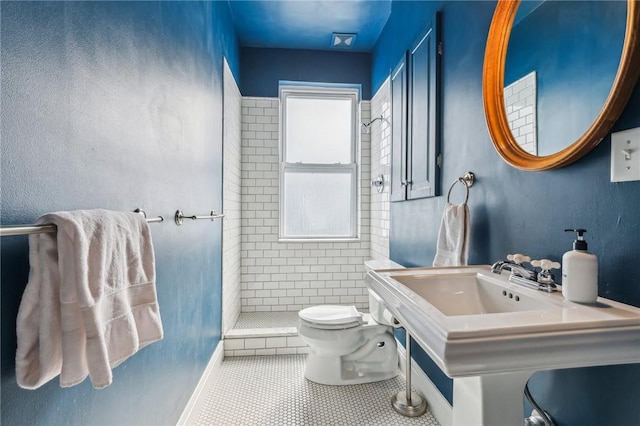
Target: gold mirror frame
x=493 y=92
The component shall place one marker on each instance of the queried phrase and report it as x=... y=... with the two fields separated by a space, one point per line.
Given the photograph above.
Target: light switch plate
x=625 y=155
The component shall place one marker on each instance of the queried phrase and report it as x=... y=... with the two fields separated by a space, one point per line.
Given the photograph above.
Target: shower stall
x=267 y=281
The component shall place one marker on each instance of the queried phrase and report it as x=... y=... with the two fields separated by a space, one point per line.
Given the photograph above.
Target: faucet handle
x=545 y=277
x=518 y=258
x=545 y=264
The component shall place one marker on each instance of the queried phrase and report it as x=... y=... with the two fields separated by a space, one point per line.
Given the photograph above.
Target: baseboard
x=438 y=404
x=203 y=383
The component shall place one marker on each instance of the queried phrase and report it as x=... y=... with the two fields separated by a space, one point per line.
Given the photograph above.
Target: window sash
x=347 y=169
x=323 y=94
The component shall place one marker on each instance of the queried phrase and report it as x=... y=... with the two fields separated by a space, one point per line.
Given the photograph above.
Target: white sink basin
x=490 y=334
x=469 y=294
x=474 y=322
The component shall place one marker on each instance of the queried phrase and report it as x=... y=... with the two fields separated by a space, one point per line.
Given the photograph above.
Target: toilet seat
x=331 y=316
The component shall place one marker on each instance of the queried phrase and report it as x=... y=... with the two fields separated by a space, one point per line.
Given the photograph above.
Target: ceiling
x=309 y=24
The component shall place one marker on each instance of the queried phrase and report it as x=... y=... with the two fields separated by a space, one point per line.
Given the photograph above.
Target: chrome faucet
x=514 y=268
x=521 y=275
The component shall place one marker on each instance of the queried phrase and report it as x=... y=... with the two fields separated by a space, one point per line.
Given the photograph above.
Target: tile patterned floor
x=272 y=390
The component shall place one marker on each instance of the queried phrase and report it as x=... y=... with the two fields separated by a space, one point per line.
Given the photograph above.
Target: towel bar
x=7 y=231
x=179 y=217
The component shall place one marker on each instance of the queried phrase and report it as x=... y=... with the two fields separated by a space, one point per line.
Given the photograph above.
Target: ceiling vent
x=343 y=40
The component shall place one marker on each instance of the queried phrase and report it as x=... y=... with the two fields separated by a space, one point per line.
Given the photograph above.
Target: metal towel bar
x=6 y=231
x=179 y=217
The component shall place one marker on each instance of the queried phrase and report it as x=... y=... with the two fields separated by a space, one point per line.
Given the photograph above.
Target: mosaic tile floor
x=272 y=390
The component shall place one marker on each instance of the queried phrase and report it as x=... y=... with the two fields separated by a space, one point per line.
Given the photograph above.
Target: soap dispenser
x=579 y=271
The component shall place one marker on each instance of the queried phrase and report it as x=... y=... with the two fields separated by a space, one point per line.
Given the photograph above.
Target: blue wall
x=118 y=105
x=262 y=69
x=516 y=211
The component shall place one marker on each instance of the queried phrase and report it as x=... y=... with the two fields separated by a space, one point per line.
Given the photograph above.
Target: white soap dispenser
x=579 y=272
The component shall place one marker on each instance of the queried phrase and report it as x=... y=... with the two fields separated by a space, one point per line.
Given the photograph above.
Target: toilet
x=349 y=347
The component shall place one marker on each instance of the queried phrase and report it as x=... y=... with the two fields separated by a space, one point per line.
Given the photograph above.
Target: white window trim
x=337 y=92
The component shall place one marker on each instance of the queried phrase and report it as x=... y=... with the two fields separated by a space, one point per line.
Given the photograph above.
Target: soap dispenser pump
x=579 y=271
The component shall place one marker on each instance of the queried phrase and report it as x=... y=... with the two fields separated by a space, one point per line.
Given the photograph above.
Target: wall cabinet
x=415 y=134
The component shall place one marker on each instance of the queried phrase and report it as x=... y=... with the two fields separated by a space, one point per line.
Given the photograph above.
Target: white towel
x=453 y=238
x=90 y=302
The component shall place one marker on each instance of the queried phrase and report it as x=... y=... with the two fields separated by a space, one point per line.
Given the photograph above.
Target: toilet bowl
x=346 y=346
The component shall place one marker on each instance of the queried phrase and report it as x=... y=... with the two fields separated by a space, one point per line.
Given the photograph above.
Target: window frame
x=321 y=92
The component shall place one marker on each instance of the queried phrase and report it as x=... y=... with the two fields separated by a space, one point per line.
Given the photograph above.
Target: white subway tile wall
x=231 y=199
x=381 y=164
x=521 y=105
x=289 y=276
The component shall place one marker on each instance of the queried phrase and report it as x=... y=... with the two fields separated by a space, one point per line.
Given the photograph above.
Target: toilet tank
x=377 y=308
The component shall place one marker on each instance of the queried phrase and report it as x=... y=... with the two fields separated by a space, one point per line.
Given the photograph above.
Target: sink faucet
x=514 y=268
x=519 y=274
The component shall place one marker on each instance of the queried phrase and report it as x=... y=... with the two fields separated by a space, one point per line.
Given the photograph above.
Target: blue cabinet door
x=423 y=169
x=399 y=131
x=415 y=132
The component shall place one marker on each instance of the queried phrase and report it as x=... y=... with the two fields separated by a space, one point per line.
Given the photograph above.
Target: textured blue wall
x=516 y=211
x=118 y=105
x=262 y=69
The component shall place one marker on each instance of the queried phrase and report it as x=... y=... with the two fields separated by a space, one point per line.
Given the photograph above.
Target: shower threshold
x=264 y=333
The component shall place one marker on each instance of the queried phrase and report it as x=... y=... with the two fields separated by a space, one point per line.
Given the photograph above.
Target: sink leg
x=405 y=402
x=494 y=399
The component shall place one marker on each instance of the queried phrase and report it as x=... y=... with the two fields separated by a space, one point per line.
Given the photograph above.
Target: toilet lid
x=331 y=315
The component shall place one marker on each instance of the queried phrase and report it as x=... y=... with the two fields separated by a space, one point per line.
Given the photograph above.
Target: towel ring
x=467 y=180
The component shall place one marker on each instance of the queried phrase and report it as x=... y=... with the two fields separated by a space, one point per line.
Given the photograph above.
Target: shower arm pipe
x=367 y=125
x=180 y=216
x=11 y=230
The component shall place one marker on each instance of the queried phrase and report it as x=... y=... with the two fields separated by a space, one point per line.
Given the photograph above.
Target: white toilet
x=348 y=347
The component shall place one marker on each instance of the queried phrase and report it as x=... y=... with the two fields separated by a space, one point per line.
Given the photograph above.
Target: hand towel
x=90 y=302
x=453 y=237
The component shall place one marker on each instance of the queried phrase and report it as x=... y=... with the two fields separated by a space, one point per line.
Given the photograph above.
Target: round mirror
x=536 y=120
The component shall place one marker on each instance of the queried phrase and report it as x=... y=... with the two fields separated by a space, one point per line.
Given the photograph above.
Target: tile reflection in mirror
x=520 y=103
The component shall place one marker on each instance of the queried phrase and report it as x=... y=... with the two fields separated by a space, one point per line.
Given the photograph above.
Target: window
x=318 y=179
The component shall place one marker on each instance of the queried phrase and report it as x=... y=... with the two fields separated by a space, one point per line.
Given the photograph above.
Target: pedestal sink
x=490 y=335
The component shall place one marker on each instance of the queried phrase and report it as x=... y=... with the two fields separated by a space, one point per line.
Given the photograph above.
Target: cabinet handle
x=406 y=183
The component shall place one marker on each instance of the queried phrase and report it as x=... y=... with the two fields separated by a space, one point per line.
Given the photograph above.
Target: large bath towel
x=453 y=238
x=90 y=302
